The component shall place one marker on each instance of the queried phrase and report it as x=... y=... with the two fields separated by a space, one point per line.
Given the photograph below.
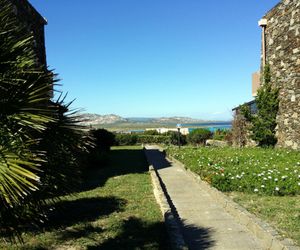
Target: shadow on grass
x=136 y=234
x=121 y=162
x=70 y=212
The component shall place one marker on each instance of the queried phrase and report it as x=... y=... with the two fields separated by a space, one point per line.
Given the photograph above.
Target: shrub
x=264 y=122
x=103 y=139
x=174 y=138
x=221 y=134
x=151 y=132
x=199 y=136
x=160 y=139
x=126 y=139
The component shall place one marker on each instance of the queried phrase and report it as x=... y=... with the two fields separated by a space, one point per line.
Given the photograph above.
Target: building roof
x=246 y=103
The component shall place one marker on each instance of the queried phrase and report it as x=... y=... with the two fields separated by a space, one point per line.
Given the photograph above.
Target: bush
x=103 y=139
x=151 y=132
x=221 y=134
x=199 y=136
x=126 y=139
x=160 y=139
x=264 y=122
x=174 y=138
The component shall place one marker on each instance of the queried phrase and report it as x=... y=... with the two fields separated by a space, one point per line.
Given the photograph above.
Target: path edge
x=268 y=236
x=171 y=223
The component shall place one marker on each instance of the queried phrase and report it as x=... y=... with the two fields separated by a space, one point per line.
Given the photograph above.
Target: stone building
x=281 y=50
x=35 y=23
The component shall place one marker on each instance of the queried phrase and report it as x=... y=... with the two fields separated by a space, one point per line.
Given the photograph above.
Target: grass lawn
x=116 y=209
x=282 y=212
x=264 y=181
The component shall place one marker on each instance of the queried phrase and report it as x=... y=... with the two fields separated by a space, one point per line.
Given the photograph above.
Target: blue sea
x=212 y=126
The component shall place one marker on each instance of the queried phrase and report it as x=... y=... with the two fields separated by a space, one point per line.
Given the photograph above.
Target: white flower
x=298 y=183
x=286 y=168
x=255 y=190
x=277 y=188
x=275 y=179
x=262 y=186
x=270 y=177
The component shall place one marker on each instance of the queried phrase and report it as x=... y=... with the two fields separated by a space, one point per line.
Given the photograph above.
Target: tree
x=264 y=122
x=199 y=136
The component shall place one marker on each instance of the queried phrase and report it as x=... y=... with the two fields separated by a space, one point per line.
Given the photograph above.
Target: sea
x=212 y=126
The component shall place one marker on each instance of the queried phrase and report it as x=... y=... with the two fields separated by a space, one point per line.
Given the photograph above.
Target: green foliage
x=126 y=139
x=221 y=134
x=151 y=132
x=199 y=136
x=118 y=198
x=159 y=139
x=176 y=137
x=251 y=170
x=264 y=122
x=103 y=139
x=40 y=142
x=25 y=88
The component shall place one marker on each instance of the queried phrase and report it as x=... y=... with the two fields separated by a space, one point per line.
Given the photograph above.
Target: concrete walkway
x=205 y=224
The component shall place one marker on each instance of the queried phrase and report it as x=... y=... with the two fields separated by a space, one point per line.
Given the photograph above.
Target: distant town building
x=35 y=23
x=183 y=131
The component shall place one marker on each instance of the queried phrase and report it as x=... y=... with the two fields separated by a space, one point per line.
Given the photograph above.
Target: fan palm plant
x=39 y=142
x=24 y=113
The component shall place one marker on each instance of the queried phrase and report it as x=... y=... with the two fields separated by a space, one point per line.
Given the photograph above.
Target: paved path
x=205 y=224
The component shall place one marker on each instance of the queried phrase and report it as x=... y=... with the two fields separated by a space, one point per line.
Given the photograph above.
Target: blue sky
x=146 y=58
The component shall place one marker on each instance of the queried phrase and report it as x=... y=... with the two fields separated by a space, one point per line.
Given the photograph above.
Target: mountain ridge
x=97 y=119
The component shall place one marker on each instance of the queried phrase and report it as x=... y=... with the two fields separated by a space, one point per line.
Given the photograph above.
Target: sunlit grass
x=116 y=209
x=265 y=181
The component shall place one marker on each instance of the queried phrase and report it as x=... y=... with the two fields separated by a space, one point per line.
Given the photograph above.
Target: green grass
x=250 y=176
x=116 y=209
x=251 y=170
x=283 y=213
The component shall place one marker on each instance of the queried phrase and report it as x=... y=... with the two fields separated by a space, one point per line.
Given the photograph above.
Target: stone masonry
x=35 y=23
x=282 y=41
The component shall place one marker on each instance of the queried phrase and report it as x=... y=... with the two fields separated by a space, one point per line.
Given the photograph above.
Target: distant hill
x=95 y=119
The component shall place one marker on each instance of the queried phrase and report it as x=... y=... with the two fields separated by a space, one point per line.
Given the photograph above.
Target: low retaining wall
x=170 y=218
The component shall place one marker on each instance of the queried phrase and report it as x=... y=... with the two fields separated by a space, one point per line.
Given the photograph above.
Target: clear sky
x=146 y=58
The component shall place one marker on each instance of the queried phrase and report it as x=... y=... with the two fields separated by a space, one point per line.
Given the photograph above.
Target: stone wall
x=283 y=56
x=34 y=22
